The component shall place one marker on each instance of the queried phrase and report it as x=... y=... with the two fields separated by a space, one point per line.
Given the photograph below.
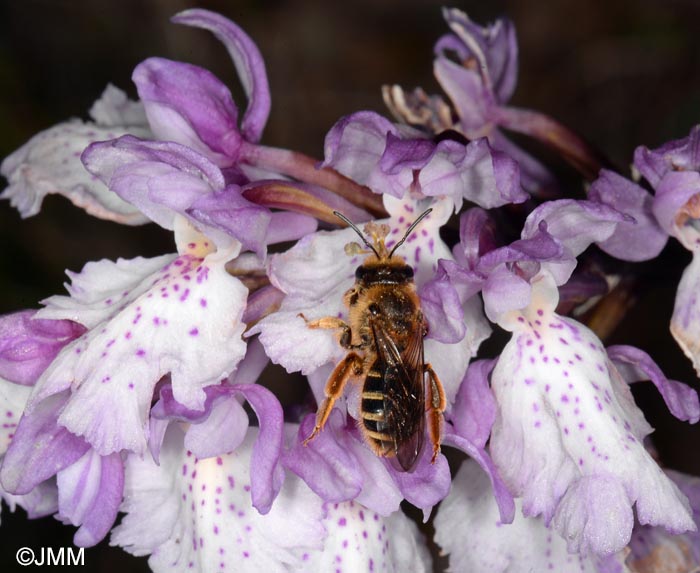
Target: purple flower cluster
x=127 y=395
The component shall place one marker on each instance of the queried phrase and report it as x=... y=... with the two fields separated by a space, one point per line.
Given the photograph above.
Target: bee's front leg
x=331 y=322
x=436 y=407
x=350 y=366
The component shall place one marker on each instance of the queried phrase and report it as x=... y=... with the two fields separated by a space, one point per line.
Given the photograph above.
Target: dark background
x=621 y=73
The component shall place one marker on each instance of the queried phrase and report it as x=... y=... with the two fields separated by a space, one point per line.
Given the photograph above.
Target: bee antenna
x=423 y=215
x=354 y=228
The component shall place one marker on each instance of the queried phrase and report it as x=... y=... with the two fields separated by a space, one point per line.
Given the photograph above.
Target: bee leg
x=436 y=407
x=350 y=366
x=331 y=322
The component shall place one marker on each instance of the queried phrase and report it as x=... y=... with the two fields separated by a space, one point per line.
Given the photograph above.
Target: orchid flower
x=477 y=67
x=555 y=381
x=567 y=416
x=673 y=170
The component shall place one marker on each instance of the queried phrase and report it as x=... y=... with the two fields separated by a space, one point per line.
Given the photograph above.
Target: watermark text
x=51 y=556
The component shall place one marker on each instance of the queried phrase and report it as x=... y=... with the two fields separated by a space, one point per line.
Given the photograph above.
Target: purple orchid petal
x=675 y=206
x=40 y=448
x=286 y=227
x=222 y=431
x=186 y=512
x=168 y=408
x=164 y=179
x=427 y=484
x=266 y=475
x=49 y=163
x=355 y=144
x=504 y=499
x=405 y=155
x=29 y=345
x=248 y=62
x=451 y=43
x=327 y=467
x=261 y=303
x=638 y=240
x=504 y=292
x=685 y=323
x=574 y=224
x=509 y=269
x=635 y=365
x=477 y=236
x=346 y=451
x=231 y=213
x=496 y=178
x=495 y=48
x=442 y=307
x=89 y=494
x=475 y=407
x=184 y=319
x=469 y=529
x=474 y=171
x=539 y=246
x=678 y=155
x=472 y=101
x=595 y=515
x=189 y=105
x=567 y=432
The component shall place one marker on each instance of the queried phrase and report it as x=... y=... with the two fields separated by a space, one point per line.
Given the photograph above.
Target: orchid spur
x=145 y=392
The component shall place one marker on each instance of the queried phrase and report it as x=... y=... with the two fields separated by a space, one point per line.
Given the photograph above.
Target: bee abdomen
x=372 y=410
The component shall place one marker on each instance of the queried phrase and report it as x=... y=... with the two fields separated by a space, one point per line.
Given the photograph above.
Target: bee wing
x=404 y=394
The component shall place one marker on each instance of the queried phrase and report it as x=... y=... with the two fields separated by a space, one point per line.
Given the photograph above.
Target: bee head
x=378 y=234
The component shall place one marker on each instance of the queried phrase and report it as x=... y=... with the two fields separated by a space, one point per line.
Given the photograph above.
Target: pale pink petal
x=568 y=434
x=49 y=163
x=360 y=540
x=13 y=399
x=115 y=109
x=183 y=319
x=469 y=529
x=197 y=514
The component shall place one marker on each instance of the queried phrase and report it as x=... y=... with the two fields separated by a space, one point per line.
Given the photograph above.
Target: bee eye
x=374 y=309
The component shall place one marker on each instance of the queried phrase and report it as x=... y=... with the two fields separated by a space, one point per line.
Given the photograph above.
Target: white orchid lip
x=50 y=163
x=567 y=433
x=176 y=315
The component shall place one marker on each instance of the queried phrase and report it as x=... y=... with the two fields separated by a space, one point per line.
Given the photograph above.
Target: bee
x=384 y=337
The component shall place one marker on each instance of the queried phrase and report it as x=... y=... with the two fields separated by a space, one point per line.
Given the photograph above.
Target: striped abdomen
x=372 y=411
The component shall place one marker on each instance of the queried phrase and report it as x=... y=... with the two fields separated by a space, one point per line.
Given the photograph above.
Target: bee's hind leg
x=436 y=407
x=350 y=366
